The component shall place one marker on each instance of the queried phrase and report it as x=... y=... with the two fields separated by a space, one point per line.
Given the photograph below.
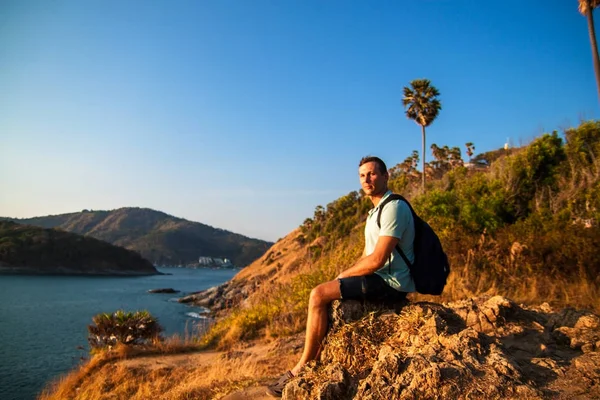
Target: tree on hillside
x=439 y=165
x=405 y=173
x=445 y=159
x=455 y=157
x=586 y=7
x=423 y=107
x=470 y=149
x=407 y=167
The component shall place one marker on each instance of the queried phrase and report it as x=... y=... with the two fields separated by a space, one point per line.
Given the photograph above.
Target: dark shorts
x=369 y=287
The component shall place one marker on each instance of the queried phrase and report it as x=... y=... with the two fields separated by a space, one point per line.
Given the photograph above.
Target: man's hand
x=369 y=264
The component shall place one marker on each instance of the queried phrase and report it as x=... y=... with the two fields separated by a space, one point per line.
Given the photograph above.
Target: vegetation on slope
x=123 y=328
x=170 y=370
x=158 y=237
x=525 y=227
x=32 y=249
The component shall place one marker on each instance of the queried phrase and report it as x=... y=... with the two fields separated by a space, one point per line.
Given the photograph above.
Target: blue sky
x=247 y=114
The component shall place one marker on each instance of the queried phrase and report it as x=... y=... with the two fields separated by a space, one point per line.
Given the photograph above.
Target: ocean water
x=44 y=319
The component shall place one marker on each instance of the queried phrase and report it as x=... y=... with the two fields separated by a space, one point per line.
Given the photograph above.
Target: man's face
x=373 y=181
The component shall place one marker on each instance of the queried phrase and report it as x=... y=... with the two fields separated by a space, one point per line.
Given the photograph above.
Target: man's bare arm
x=371 y=263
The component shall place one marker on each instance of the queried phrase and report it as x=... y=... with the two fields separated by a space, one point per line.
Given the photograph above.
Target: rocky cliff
x=485 y=348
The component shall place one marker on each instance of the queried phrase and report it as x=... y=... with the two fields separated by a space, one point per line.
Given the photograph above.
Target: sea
x=44 y=319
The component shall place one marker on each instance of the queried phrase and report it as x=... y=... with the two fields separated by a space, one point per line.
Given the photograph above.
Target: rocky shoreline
x=217 y=298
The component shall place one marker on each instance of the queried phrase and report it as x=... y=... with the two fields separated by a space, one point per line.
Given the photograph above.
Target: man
x=379 y=275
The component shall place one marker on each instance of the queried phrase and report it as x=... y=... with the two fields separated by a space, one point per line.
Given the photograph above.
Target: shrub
x=532 y=170
x=128 y=328
x=483 y=204
x=439 y=208
x=583 y=145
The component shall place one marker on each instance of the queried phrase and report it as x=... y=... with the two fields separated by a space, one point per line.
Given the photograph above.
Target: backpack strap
x=391 y=197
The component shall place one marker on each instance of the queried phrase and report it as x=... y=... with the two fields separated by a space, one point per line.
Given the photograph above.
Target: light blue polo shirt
x=396 y=221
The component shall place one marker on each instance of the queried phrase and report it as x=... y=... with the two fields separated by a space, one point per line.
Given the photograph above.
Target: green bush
x=439 y=208
x=534 y=171
x=128 y=328
x=583 y=145
x=483 y=204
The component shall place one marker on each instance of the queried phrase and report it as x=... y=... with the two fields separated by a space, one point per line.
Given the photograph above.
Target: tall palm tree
x=586 y=7
x=423 y=107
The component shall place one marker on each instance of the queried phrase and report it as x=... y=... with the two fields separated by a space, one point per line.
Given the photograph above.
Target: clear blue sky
x=246 y=115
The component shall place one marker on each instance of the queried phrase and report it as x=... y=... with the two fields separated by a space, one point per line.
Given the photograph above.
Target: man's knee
x=316 y=297
x=324 y=294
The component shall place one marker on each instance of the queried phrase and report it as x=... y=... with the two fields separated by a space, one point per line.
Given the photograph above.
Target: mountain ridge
x=159 y=237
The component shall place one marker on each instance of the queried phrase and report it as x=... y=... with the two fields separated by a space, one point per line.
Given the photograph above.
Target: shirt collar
x=372 y=210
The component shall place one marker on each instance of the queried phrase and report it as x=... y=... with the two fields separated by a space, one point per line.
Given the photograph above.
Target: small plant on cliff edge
x=128 y=328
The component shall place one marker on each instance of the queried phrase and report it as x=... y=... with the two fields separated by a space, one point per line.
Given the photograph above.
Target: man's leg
x=316 y=324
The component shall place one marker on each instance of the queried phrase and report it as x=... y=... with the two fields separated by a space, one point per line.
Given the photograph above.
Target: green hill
x=30 y=249
x=526 y=226
x=158 y=237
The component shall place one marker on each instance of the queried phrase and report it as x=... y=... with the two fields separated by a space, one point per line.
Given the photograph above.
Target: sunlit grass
x=107 y=375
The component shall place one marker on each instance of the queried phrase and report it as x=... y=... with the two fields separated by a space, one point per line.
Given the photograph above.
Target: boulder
x=477 y=348
x=164 y=290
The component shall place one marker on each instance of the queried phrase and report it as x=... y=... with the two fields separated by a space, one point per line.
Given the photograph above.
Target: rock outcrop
x=163 y=290
x=479 y=348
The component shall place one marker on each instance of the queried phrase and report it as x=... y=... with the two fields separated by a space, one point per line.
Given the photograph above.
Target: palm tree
x=423 y=107
x=586 y=7
x=470 y=149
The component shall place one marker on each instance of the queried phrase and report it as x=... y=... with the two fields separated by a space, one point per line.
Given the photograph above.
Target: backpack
x=431 y=268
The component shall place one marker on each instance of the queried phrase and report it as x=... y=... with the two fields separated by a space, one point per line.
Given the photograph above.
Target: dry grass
x=356 y=346
x=66 y=387
x=138 y=374
x=466 y=282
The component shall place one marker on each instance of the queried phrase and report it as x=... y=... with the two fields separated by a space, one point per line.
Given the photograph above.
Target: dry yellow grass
x=137 y=375
x=466 y=282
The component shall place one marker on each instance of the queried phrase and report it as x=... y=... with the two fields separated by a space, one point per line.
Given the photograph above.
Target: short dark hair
x=377 y=160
